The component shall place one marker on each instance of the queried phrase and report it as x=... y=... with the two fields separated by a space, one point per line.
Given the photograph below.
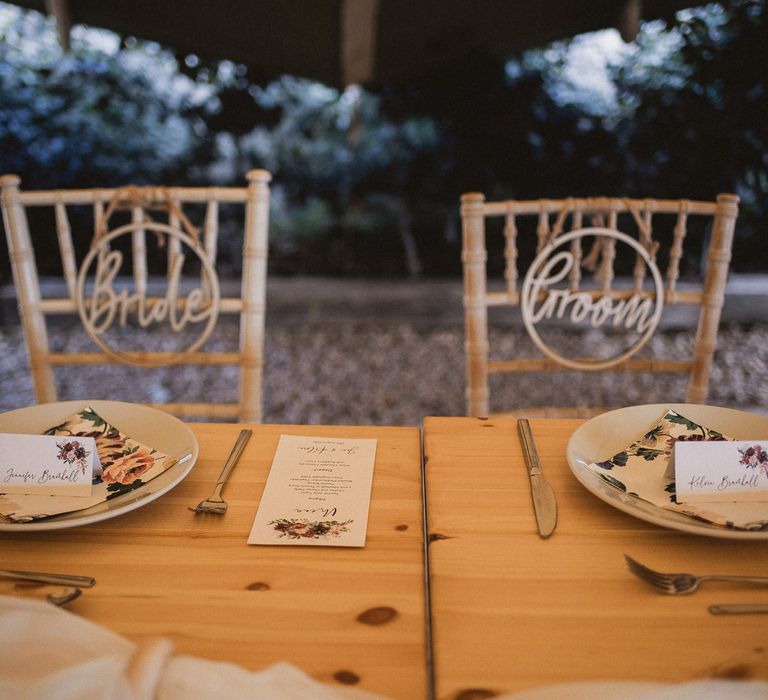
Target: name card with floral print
x=641 y=471
x=49 y=465
x=735 y=470
x=318 y=493
x=125 y=465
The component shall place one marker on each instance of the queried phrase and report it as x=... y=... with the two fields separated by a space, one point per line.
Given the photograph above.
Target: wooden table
x=512 y=611
x=353 y=616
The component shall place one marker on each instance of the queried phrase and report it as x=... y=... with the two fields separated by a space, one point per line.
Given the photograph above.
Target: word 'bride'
x=106 y=303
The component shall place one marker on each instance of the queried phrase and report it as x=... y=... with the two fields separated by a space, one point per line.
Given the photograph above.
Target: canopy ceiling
x=339 y=42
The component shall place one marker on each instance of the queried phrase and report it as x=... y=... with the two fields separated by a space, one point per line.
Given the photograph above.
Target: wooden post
x=254 y=284
x=629 y=19
x=357 y=53
x=27 y=288
x=474 y=258
x=718 y=259
x=60 y=11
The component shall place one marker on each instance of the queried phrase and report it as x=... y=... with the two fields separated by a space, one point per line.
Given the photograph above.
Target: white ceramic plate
x=609 y=433
x=149 y=426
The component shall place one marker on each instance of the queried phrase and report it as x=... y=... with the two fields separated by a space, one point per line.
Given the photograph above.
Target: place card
x=318 y=493
x=51 y=465
x=735 y=470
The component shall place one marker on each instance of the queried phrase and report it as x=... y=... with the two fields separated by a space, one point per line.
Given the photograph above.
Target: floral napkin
x=641 y=471
x=126 y=465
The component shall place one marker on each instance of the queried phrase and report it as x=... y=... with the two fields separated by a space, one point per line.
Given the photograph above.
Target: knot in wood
x=258 y=586
x=377 y=616
x=476 y=694
x=346 y=677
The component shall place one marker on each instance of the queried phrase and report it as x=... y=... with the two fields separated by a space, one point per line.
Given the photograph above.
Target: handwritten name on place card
x=318 y=493
x=53 y=465
x=721 y=471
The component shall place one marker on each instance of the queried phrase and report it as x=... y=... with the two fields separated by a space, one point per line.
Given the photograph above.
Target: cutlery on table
x=739 y=609
x=544 y=502
x=63 y=596
x=40 y=577
x=678 y=584
x=59 y=596
x=215 y=503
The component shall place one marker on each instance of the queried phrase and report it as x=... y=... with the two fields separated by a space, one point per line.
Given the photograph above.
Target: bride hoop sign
x=546 y=295
x=105 y=300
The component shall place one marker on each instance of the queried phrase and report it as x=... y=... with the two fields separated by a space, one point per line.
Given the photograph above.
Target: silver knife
x=544 y=503
x=39 y=576
x=739 y=609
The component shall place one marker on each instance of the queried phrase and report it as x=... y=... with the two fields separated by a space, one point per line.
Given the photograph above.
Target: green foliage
x=696 y=126
x=682 y=420
x=699 y=130
x=101 y=115
x=648 y=453
x=326 y=140
x=369 y=183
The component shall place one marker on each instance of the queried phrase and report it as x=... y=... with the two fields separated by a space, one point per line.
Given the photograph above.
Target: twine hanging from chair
x=146 y=199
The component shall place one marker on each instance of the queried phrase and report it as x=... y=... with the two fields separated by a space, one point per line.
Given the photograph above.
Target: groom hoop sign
x=546 y=294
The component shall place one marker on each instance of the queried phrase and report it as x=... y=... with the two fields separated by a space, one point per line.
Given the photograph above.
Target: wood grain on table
x=512 y=611
x=350 y=616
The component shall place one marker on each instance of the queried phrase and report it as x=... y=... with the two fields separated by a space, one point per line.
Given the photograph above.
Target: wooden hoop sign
x=539 y=301
x=107 y=305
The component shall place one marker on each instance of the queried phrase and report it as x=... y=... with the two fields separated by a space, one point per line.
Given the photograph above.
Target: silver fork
x=215 y=503
x=677 y=584
x=63 y=596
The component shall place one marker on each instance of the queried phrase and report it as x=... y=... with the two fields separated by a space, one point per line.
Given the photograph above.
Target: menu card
x=45 y=464
x=721 y=471
x=318 y=493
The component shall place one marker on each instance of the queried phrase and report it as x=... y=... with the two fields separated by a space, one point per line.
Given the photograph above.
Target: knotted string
x=147 y=199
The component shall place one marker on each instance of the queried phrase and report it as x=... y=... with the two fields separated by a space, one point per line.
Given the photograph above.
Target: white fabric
x=47 y=653
x=638 y=690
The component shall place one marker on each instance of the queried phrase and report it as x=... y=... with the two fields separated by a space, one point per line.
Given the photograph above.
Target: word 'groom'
x=636 y=311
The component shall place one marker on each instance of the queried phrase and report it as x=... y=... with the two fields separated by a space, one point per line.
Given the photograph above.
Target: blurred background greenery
x=367 y=183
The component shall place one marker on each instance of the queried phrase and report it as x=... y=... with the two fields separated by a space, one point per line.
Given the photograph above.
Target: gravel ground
x=390 y=373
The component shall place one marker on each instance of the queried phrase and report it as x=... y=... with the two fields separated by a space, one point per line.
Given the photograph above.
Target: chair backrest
x=131 y=285
x=578 y=279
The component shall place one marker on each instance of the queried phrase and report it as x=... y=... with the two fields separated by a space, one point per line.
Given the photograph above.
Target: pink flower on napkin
x=128 y=468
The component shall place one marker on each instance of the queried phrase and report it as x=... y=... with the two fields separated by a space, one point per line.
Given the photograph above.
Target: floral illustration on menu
x=73 y=453
x=309 y=529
